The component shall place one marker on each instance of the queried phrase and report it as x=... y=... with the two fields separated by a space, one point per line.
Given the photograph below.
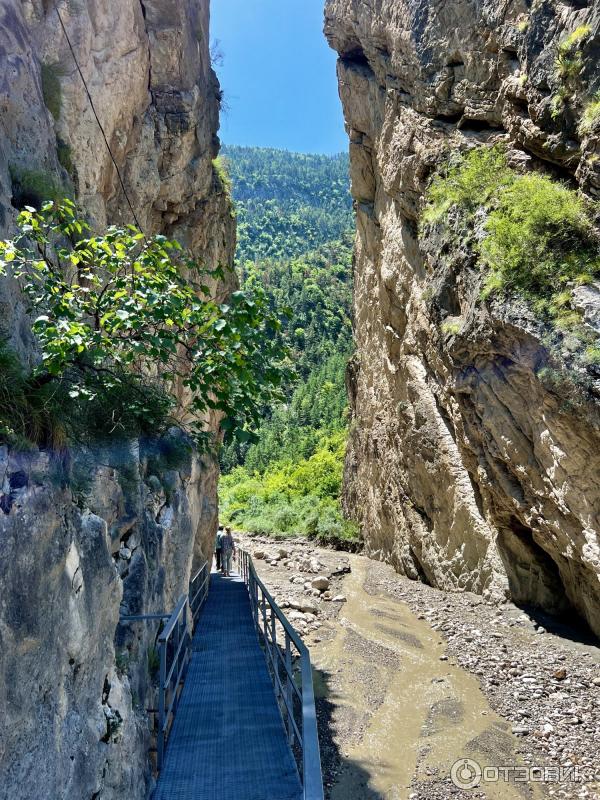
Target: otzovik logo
x=466 y=773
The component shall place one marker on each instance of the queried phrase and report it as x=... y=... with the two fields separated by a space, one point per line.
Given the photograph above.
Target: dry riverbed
x=410 y=680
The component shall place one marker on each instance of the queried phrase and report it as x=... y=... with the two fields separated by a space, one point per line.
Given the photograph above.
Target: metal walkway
x=228 y=740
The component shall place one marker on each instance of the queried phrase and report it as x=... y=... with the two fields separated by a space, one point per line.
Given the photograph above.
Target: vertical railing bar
x=160 y=744
x=274 y=648
x=288 y=684
x=264 y=617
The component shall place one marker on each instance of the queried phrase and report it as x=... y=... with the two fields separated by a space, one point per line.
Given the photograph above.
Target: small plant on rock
x=592 y=355
x=590 y=116
x=51 y=88
x=568 y=66
x=469 y=181
x=65 y=156
x=222 y=176
x=538 y=236
x=31 y=187
x=450 y=328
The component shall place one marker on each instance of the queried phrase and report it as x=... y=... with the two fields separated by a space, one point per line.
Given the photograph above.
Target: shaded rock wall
x=87 y=534
x=467 y=468
x=76 y=686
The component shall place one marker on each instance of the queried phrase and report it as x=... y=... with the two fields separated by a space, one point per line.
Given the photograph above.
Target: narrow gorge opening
x=286 y=151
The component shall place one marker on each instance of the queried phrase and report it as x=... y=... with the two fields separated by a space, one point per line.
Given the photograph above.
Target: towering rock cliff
x=471 y=465
x=121 y=531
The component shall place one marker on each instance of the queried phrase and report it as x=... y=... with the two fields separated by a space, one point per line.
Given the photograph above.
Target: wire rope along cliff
x=95 y=113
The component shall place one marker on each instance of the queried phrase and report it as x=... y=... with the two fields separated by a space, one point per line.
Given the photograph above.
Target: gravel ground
x=543 y=679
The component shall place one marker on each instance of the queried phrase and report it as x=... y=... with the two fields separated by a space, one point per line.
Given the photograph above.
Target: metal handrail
x=174 y=646
x=279 y=658
x=199 y=586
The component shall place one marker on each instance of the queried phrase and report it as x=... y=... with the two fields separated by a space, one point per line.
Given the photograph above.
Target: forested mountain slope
x=287 y=203
x=295 y=237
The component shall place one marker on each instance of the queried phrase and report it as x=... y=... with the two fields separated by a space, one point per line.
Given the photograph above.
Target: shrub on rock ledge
x=538 y=237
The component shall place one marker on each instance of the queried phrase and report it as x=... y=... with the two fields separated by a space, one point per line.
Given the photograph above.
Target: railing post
x=160 y=739
x=311 y=757
x=264 y=618
x=188 y=633
x=274 y=651
x=255 y=601
x=288 y=687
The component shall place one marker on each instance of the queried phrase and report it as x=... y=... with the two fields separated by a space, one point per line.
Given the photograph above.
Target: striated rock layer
x=467 y=468
x=123 y=533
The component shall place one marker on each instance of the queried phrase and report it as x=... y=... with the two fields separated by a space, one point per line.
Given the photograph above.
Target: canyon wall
x=122 y=528
x=473 y=462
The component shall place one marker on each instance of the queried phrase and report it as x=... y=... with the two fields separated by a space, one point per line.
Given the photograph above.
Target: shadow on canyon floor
x=569 y=627
x=338 y=770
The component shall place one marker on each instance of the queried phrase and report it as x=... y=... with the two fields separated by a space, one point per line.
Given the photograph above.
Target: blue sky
x=278 y=75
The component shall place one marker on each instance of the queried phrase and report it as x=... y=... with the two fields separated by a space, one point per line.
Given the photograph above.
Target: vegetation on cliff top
x=127 y=342
x=279 y=194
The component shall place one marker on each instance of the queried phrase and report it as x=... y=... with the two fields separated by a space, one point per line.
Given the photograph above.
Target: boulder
x=321 y=583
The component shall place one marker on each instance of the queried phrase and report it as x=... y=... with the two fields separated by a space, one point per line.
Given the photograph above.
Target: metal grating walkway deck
x=228 y=741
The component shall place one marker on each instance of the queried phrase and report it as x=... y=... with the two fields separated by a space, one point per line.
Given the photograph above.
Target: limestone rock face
x=147 y=67
x=125 y=531
x=468 y=467
x=76 y=684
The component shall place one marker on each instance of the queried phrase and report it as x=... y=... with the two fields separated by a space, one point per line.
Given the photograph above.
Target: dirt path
x=411 y=681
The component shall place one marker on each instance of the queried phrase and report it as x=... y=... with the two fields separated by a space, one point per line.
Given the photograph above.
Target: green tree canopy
x=120 y=311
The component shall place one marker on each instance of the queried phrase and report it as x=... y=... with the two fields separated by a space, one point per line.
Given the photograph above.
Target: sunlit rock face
x=467 y=467
x=127 y=532
x=147 y=66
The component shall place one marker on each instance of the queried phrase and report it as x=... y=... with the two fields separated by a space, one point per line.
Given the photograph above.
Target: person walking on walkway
x=227 y=552
x=218 y=546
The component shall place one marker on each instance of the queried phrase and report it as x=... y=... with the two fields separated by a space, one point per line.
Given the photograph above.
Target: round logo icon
x=466 y=773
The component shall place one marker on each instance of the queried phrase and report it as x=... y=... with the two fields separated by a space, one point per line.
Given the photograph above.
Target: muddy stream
x=405 y=713
x=425 y=695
